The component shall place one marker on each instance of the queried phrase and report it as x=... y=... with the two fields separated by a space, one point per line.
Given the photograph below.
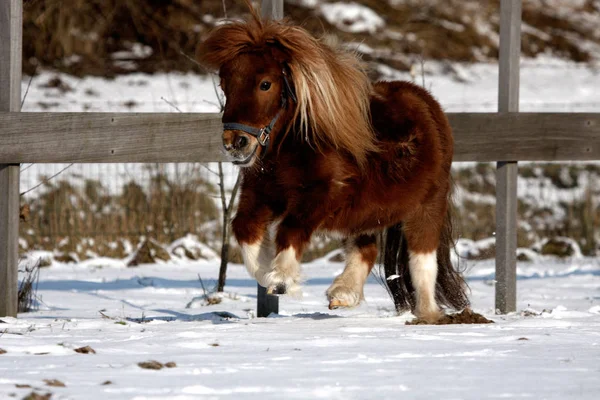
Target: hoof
x=277 y=289
x=430 y=317
x=334 y=304
x=341 y=296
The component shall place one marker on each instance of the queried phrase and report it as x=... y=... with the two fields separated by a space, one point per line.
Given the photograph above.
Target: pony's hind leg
x=347 y=289
x=422 y=236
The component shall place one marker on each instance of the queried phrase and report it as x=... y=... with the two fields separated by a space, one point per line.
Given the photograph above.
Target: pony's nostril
x=241 y=142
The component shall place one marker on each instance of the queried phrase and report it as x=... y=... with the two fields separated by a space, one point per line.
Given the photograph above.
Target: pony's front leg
x=250 y=229
x=284 y=275
x=347 y=289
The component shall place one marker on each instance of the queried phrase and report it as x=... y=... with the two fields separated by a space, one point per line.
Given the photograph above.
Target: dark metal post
x=266 y=303
x=506 y=174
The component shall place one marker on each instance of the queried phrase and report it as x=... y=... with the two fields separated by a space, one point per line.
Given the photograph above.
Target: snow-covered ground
x=549 y=349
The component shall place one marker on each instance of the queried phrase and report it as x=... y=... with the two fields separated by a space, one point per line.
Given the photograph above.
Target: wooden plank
x=507 y=172
x=110 y=137
x=11 y=25
x=175 y=137
x=487 y=137
x=266 y=303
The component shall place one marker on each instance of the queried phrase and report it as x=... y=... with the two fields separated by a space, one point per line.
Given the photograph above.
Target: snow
x=352 y=17
x=549 y=349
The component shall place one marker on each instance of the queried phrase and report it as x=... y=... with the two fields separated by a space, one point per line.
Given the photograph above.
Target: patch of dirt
x=467 y=316
x=153 y=364
x=22 y=386
x=85 y=350
x=2 y=351
x=106 y=383
x=54 y=383
x=57 y=83
x=37 y=396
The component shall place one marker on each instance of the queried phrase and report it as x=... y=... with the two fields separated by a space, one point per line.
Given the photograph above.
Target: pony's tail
x=450 y=285
x=394 y=254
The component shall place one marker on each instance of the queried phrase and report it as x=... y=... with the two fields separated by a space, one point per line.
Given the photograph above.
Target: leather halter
x=263 y=135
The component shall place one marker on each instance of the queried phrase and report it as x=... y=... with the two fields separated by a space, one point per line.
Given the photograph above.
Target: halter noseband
x=263 y=135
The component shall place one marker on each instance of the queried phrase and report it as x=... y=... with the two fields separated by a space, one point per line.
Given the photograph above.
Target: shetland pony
x=322 y=149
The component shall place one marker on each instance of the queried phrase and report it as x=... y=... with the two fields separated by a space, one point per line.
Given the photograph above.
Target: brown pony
x=322 y=149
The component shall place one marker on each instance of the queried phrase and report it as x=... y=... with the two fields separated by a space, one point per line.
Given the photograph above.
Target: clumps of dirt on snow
x=2 y=351
x=467 y=316
x=54 y=383
x=153 y=364
x=37 y=396
x=85 y=350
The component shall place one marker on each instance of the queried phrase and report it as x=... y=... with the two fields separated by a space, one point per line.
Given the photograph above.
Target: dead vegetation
x=84 y=220
x=27 y=293
x=54 y=383
x=563 y=202
x=110 y=37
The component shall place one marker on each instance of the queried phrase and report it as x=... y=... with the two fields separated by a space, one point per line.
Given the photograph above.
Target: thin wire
x=48 y=180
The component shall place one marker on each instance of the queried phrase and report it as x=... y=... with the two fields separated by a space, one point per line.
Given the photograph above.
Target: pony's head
x=276 y=75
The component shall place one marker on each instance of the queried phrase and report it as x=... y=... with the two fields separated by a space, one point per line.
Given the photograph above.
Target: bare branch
x=234 y=192
x=209 y=170
x=171 y=104
x=219 y=98
x=222 y=186
x=194 y=61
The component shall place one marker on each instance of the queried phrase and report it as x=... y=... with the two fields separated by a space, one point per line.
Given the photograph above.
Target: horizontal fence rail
x=193 y=137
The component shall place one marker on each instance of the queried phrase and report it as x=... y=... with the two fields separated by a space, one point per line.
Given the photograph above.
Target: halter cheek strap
x=263 y=135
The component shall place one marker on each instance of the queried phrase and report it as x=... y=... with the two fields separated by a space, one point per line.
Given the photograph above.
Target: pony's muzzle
x=239 y=145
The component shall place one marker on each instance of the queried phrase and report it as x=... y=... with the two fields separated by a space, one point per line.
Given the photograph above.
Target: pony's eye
x=265 y=86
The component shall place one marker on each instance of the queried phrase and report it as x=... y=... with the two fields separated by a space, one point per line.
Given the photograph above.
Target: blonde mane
x=332 y=87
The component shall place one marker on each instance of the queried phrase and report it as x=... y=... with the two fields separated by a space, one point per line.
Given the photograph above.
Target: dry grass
x=82 y=37
x=28 y=286
x=80 y=222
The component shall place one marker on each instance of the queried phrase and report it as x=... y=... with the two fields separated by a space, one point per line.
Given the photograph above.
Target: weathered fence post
x=11 y=27
x=506 y=174
x=266 y=303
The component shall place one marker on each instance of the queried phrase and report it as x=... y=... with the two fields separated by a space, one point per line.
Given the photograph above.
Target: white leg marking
x=347 y=289
x=284 y=271
x=423 y=274
x=257 y=256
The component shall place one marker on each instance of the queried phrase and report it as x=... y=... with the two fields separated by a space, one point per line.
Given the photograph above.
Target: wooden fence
x=505 y=137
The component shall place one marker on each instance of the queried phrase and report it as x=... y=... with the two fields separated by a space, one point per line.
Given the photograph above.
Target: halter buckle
x=263 y=137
